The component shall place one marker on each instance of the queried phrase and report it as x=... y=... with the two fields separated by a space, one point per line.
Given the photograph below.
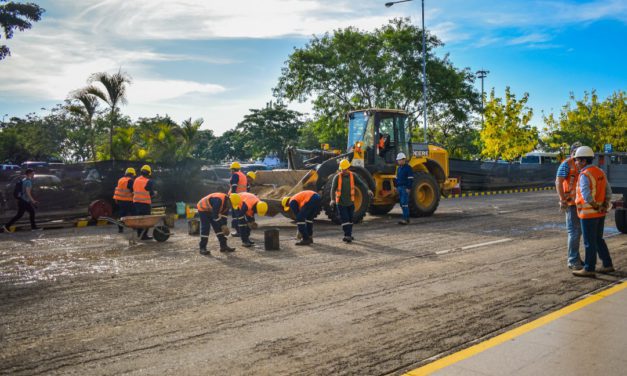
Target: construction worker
x=245 y=215
x=212 y=210
x=381 y=145
x=143 y=192
x=305 y=206
x=123 y=194
x=250 y=178
x=239 y=184
x=593 y=200
x=566 y=187
x=404 y=181
x=343 y=197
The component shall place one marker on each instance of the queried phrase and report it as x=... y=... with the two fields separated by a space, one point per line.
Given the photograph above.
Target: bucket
x=169 y=220
x=271 y=239
x=193 y=226
x=180 y=208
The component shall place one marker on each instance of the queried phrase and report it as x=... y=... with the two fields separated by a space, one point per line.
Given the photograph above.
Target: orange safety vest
x=302 y=198
x=597 y=181
x=205 y=206
x=242 y=182
x=570 y=182
x=122 y=193
x=140 y=194
x=381 y=142
x=250 y=200
x=338 y=192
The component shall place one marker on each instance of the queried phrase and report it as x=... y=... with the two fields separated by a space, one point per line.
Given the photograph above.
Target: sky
x=217 y=59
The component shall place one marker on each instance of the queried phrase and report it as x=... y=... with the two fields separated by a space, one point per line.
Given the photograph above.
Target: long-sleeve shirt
x=404 y=176
x=345 y=195
x=234 y=180
x=586 y=193
x=216 y=206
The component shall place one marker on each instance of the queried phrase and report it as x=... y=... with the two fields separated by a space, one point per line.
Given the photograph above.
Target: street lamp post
x=482 y=74
x=424 y=64
x=4 y=116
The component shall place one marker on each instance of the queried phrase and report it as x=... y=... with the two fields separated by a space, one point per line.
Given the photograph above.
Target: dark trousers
x=206 y=223
x=125 y=208
x=306 y=215
x=241 y=220
x=141 y=209
x=592 y=231
x=23 y=206
x=346 y=216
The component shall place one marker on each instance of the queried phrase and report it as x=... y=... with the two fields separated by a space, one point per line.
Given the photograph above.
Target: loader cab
x=384 y=133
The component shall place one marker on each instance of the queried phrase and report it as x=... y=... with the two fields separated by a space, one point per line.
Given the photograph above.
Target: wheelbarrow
x=160 y=233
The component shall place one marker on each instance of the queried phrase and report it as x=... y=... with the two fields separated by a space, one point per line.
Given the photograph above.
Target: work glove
x=253 y=225
x=225 y=230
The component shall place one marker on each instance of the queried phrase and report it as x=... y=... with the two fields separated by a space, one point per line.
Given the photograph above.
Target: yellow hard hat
x=235 y=200
x=285 y=202
x=130 y=170
x=235 y=166
x=252 y=175
x=262 y=208
x=344 y=164
x=147 y=169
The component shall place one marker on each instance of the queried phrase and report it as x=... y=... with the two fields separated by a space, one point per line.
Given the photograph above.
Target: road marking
x=472 y=246
x=516 y=332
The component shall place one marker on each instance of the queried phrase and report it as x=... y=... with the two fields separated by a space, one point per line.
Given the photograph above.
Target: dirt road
x=82 y=301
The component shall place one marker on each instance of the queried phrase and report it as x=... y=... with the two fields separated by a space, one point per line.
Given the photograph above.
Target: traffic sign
x=607 y=148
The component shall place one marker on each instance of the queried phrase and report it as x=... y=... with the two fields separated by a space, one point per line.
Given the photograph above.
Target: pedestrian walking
x=143 y=192
x=593 y=200
x=305 y=206
x=123 y=195
x=404 y=181
x=343 y=197
x=566 y=187
x=245 y=215
x=213 y=210
x=23 y=193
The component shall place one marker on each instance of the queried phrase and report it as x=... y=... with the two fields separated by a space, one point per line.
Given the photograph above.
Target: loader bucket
x=272 y=186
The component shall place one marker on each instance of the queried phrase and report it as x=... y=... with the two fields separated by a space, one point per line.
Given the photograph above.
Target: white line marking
x=486 y=243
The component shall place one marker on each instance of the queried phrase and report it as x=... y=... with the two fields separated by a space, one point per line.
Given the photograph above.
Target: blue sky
x=218 y=59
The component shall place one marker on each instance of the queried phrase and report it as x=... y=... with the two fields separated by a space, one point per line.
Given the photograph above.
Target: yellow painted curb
x=82 y=223
x=501 y=338
x=101 y=222
x=490 y=193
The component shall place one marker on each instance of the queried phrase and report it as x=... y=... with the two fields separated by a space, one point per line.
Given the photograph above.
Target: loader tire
x=424 y=197
x=380 y=209
x=362 y=201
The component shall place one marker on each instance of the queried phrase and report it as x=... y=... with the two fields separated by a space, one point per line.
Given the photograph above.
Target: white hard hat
x=584 y=152
x=400 y=156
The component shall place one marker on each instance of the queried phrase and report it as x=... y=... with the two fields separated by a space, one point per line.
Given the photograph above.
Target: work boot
x=247 y=244
x=305 y=242
x=226 y=248
x=347 y=239
x=575 y=266
x=235 y=234
x=204 y=252
x=606 y=269
x=584 y=273
x=404 y=222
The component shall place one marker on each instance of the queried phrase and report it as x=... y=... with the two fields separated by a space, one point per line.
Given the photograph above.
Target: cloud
x=142 y=91
x=530 y=38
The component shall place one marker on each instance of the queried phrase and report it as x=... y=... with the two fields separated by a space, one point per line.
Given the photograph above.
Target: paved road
x=81 y=301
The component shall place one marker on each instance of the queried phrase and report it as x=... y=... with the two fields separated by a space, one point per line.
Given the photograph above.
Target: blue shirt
x=563 y=170
x=404 y=176
x=234 y=181
x=26 y=183
x=584 y=186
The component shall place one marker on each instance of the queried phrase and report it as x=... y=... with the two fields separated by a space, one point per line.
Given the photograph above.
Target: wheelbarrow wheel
x=161 y=233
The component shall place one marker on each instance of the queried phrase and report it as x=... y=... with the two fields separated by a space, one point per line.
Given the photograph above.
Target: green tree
x=85 y=105
x=506 y=132
x=114 y=94
x=202 y=145
x=353 y=69
x=270 y=130
x=16 y=16
x=189 y=133
x=590 y=121
x=231 y=145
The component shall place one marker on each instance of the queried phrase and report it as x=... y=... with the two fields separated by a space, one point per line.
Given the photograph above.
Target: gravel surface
x=82 y=301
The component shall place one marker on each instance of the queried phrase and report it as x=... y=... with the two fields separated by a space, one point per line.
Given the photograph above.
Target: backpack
x=17 y=190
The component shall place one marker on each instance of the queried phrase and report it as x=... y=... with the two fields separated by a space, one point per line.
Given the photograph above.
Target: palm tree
x=113 y=95
x=87 y=108
x=188 y=133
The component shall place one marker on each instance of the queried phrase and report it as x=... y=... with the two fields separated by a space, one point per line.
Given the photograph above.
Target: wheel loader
x=375 y=137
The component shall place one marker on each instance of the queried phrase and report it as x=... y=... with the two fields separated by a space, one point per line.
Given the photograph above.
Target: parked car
x=9 y=167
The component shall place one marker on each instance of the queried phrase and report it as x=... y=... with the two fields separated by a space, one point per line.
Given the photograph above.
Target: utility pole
x=482 y=74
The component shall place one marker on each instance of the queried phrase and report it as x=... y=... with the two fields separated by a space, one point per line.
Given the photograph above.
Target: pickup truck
x=615 y=167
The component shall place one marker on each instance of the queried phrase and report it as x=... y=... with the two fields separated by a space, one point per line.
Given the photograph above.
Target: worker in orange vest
x=343 y=197
x=212 y=210
x=593 y=200
x=250 y=178
x=123 y=194
x=566 y=187
x=245 y=215
x=305 y=206
x=239 y=184
x=143 y=192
